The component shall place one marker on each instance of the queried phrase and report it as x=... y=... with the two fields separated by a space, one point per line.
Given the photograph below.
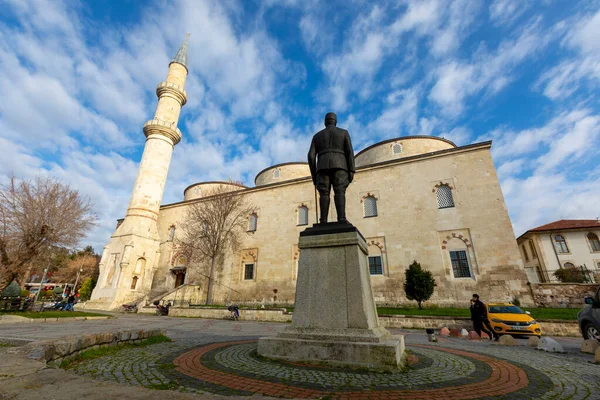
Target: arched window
x=397 y=148
x=370 y=206
x=134 y=282
x=561 y=244
x=171 y=233
x=139 y=266
x=569 y=265
x=276 y=173
x=594 y=242
x=303 y=216
x=444 y=197
x=252 y=222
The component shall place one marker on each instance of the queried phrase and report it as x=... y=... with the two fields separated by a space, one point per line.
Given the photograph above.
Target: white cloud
x=506 y=12
x=487 y=72
x=553 y=183
x=580 y=68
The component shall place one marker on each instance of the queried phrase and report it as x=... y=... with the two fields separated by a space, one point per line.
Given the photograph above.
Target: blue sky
x=78 y=79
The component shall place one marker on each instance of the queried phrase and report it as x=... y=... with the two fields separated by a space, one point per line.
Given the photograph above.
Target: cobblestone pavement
x=219 y=357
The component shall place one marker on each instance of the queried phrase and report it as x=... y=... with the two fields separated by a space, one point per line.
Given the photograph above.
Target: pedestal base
x=387 y=355
x=335 y=319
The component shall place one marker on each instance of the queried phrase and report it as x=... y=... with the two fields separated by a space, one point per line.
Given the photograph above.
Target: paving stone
x=550 y=345
x=533 y=341
x=473 y=336
x=507 y=340
x=589 y=346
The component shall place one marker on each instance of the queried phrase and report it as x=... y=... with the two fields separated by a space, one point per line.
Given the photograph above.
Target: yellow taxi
x=506 y=318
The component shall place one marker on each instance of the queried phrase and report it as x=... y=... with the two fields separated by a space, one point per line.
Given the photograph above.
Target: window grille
x=303 y=216
x=444 y=197
x=248 y=272
x=460 y=264
x=525 y=252
x=370 y=206
x=561 y=244
x=375 y=265
x=594 y=242
x=569 y=265
x=276 y=173
x=396 y=148
x=533 y=251
x=252 y=222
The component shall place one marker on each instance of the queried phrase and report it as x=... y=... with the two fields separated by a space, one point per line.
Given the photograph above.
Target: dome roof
x=404 y=146
x=281 y=173
x=203 y=189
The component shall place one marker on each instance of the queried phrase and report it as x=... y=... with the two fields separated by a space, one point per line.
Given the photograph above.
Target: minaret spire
x=182 y=54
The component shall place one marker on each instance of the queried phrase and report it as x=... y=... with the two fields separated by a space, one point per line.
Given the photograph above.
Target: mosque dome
x=282 y=172
x=203 y=189
x=401 y=147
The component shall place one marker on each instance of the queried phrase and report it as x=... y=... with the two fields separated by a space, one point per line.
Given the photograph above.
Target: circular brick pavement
x=439 y=373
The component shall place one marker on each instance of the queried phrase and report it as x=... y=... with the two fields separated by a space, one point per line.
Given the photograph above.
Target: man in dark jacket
x=331 y=162
x=479 y=316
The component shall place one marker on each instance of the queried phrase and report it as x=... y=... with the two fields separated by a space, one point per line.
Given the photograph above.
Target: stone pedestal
x=335 y=320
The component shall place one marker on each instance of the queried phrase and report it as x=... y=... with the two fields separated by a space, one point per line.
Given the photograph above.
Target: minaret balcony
x=164 y=128
x=172 y=90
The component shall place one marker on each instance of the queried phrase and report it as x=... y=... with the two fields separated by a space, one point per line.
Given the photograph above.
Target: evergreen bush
x=418 y=283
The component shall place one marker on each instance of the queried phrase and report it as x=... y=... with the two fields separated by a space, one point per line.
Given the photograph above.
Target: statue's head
x=330 y=119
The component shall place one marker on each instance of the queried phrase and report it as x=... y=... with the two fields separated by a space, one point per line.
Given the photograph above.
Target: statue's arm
x=312 y=160
x=349 y=151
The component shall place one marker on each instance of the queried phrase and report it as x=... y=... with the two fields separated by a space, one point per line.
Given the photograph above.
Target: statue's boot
x=324 y=205
x=340 y=206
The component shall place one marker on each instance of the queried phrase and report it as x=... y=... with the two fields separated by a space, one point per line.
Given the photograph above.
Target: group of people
x=479 y=316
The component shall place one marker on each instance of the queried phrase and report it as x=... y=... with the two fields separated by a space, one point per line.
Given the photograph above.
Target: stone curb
x=18 y=319
x=67 y=347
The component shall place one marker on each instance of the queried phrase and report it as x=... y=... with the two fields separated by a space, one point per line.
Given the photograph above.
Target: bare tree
x=35 y=216
x=212 y=227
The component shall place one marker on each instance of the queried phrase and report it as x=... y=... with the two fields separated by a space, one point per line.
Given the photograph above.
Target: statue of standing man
x=331 y=162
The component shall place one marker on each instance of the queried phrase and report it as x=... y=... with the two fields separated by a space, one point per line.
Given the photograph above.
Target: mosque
x=413 y=198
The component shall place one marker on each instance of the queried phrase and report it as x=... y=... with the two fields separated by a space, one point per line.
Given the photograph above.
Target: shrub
x=12 y=290
x=418 y=283
x=47 y=294
x=24 y=293
x=516 y=302
x=57 y=290
x=570 y=275
x=85 y=292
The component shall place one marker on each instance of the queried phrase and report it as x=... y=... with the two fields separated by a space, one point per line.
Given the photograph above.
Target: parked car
x=506 y=318
x=589 y=317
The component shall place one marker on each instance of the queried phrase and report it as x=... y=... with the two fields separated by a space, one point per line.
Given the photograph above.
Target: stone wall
x=549 y=327
x=567 y=295
x=56 y=350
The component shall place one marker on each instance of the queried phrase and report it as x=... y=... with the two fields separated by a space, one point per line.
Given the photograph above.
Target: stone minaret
x=130 y=258
x=162 y=135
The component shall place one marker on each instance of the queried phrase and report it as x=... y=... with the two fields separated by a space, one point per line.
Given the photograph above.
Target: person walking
x=70 y=303
x=479 y=316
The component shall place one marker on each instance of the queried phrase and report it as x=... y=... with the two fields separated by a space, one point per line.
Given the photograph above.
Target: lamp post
x=37 y=295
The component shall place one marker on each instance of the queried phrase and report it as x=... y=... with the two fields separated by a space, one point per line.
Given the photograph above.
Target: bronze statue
x=331 y=162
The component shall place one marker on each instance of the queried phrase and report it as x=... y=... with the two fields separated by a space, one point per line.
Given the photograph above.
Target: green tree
x=418 y=283
x=86 y=289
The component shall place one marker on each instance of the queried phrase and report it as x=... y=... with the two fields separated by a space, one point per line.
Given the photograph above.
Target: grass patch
x=54 y=314
x=6 y=345
x=565 y=314
x=109 y=350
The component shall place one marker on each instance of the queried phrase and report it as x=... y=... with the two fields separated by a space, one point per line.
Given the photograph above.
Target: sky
x=78 y=79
